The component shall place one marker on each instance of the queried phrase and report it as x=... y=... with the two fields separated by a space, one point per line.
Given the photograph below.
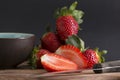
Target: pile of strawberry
x=64 y=49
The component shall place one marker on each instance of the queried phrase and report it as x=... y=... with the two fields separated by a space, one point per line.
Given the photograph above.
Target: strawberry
x=54 y=62
x=93 y=57
x=34 y=59
x=68 y=20
x=39 y=54
x=66 y=26
x=50 y=41
x=74 y=54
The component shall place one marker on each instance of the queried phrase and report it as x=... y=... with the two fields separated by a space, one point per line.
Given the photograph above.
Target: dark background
x=101 y=27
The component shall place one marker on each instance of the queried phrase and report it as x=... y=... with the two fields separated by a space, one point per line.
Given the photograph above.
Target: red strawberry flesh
x=74 y=54
x=54 y=62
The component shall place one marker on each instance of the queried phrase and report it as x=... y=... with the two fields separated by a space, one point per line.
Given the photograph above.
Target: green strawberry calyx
x=76 y=41
x=33 y=57
x=100 y=54
x=77 y=14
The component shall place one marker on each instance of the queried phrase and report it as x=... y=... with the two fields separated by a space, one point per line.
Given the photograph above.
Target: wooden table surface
x=27 y=74
x=24 y=73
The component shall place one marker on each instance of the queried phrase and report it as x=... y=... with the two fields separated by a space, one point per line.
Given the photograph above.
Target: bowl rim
x=30 y=35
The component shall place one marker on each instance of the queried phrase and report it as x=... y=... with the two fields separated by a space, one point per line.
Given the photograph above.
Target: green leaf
x=78 y=14
x=63 y=11
x=100 y=54
x=73 y=6
x=76 y=41
x=103 y=52
x=102 y=59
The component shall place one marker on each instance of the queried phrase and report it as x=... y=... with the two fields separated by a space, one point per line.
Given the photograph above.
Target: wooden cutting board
x=23 y=72
x=27 y=74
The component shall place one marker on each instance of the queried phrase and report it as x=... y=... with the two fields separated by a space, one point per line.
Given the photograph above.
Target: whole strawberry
x=35 y=57
x=50 y=41
x=94 y=56
x=66 y=26
x=39 y=54
x=68 y=20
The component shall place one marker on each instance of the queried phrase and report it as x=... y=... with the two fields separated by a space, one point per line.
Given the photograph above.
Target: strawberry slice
x=74 y=54
x=54 y=62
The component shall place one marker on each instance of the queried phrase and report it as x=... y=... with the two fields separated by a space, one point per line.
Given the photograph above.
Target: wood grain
x=24 y=72
x=28 y=74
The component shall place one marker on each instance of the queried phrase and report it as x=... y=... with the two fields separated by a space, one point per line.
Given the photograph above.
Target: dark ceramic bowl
x=15 y=48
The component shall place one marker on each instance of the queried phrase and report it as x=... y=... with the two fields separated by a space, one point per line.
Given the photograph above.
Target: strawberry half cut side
x=74 y=54
x=54 y=62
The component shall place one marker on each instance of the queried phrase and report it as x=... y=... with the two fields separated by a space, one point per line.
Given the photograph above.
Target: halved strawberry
x=74 y=54
x=54 y=62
